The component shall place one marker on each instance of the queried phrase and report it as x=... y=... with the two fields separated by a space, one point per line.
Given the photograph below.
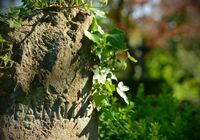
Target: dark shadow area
x=91 y=129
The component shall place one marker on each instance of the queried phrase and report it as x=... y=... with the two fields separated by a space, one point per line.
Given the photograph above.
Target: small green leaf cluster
x=42 y=4
x=5 y=52
x=13 y=16
x=34 y=4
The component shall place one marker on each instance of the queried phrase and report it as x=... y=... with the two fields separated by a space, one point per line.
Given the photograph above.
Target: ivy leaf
x=99 y=100
x=121 y=88
x=115 y=31
x=109 y=86
x=116 y=39
x=99 y=29
x=132 y=58
x=93 y=37
x=105 y=55
x=95 y=26
x=98 y=13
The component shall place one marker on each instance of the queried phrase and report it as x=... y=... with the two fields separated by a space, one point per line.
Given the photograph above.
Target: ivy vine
x=105 y=47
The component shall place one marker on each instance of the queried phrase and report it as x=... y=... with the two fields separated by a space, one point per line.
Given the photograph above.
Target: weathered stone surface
x=46 y=94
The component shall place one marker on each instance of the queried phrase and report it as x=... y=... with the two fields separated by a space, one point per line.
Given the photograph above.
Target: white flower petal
x=113 y=77
x=122 y=87
x=99 y=75
x=102 y=78
x=123 y=95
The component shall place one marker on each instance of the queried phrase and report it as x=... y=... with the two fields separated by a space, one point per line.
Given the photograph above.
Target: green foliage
x=105 y=46
x=2 y=41
x=179 y=67
x=5 y=58
x=30 y=4
x=152 y=117
x=12 y=17
x=42 y=4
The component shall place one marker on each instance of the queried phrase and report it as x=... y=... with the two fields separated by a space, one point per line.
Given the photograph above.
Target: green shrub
x=152 y=117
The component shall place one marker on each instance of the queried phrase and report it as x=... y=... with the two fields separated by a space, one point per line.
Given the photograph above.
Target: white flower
x=99 y=75
x=121 y=88
x=102 y=75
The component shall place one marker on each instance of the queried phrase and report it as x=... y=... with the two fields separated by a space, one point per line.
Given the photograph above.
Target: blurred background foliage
x=165 y=83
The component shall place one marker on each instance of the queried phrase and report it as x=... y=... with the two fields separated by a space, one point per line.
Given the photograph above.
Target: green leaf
x=93 y=37
x=2 y=18
x=115 y=32
x=105 y=55
x=109 y=87
x=95 y=27
x=2 y=40
x=116 y=39
x=98 y=99
x=6 y=59
x=132 y=58
x=99 y=29
x=98 y=13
